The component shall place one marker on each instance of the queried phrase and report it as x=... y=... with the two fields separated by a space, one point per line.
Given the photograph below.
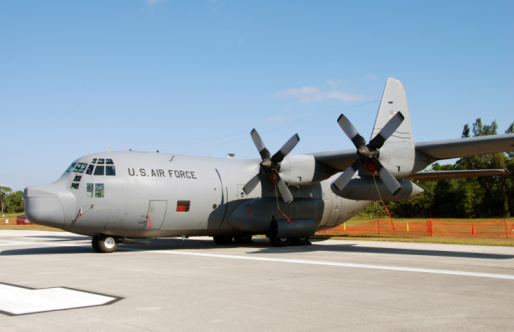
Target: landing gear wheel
x=222 y=239
x=104 y=243
x=300 y=241
x=243 y=238
x=279 y=241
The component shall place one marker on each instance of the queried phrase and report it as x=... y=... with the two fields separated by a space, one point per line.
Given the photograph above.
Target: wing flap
x=458 y=174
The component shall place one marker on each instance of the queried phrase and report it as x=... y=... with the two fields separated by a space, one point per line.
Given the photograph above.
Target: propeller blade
x=347 y=175
x=389 y=128
x=284 y=191
x=250 y=185
x=389 y=180
x=259 y=144
x=286 y=148
x=350 y=131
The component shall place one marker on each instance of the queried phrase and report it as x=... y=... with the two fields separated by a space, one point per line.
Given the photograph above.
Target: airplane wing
x=466 y=147
x=429 y=152
x=336 y=160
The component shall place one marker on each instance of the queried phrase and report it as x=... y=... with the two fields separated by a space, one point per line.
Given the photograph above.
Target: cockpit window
x=80 y=168
x=89 y=189
x=99 y=170
x=99 y=190
x=110 y=170
x=98 y=166
x=72 y=166
x=90 y=169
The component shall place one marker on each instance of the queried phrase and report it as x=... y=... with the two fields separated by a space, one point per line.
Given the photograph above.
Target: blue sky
x=195 y=77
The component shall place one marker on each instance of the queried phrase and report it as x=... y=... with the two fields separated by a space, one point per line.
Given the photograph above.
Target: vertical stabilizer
x=394 y=100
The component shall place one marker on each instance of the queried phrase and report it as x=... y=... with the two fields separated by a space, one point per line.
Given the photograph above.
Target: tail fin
x=394 y=100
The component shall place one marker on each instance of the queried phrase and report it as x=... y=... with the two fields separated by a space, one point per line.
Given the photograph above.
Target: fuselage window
x=110 y=170
x=99 y=190
x=80 y=168
x=183 y=206
x=90 y=169
x=89 y=190
x=77 y=178
x=93 y=161
x=100 y=161
x=72 y=166
x=99 y=170
x=109 y=162
x=74 y=185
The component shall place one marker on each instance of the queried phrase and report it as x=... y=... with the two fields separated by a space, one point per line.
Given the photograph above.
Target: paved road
x=194 y=285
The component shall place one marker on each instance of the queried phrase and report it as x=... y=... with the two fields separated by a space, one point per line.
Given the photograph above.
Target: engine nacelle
x=365 y=189
x=299 y=170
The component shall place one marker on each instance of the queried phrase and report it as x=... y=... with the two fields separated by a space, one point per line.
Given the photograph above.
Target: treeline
x=485 y=197
x=11 y=201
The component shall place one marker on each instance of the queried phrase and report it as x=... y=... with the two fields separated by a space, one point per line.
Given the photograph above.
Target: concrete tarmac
x=195 y=285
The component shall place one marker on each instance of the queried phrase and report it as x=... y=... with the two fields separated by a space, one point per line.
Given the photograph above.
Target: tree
x=15 y=202
x=4 y=192
x=466 y=198
x=486 y=197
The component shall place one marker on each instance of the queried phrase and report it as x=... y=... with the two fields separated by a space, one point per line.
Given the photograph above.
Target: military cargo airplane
x=127 y=196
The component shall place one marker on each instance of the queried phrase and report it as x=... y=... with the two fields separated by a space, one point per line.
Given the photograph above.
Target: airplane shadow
x=48 y=250
x=258 y=246
x=353 y=248
x=60 y=238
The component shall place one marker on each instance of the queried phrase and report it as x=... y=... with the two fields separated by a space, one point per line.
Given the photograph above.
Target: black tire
x=222 y=239
x=300 y=241
x=104 y=243
x=279 y=241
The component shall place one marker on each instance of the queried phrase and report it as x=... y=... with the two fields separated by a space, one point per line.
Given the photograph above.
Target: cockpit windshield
x=97 y=167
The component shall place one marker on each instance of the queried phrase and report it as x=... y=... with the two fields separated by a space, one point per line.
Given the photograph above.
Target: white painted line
x=16 y=300
x=351 y=265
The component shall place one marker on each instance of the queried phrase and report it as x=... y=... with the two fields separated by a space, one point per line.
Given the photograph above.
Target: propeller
x=270 y=165
x=369 y=153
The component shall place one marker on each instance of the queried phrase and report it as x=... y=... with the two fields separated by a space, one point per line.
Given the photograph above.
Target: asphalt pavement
x=52 y=281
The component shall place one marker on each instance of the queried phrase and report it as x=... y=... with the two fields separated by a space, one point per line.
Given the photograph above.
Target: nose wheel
x=104 y=243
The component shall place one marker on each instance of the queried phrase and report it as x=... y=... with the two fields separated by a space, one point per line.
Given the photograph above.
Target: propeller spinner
x=270 y=165
x=369 y=153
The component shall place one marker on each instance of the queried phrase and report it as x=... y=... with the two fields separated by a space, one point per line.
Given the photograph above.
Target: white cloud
x=278 y=119
x=308 y=94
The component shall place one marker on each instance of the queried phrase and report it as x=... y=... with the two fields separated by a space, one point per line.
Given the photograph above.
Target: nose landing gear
x=104 y=243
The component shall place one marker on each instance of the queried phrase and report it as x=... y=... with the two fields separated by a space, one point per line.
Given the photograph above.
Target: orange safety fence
x=486 y=229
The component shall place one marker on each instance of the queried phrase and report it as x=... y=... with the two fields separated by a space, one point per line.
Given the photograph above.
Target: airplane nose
x=50 y=205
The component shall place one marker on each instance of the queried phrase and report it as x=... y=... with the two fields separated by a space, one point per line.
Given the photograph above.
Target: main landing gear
x=105 y=243
x=286 y=241
x=274 y=240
